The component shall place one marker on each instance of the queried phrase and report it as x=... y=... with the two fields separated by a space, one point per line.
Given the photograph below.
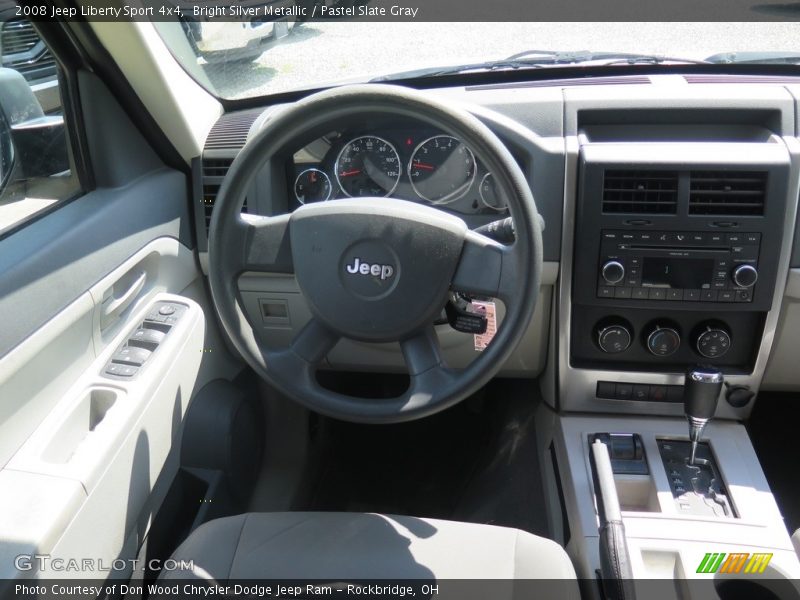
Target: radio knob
x=663 y=341
x=713 y=342
x=613 y=272
x=745 y=276
x=614 y=339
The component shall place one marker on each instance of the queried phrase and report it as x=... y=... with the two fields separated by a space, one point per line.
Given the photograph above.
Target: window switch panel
x=118 y=370
x=146 y=338
x=131 y=355
x=165 y=312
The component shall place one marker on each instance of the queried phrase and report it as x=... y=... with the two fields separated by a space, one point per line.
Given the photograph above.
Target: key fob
x=464 y=321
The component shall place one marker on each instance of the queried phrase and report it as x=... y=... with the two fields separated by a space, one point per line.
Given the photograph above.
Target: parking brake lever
x=615 y=562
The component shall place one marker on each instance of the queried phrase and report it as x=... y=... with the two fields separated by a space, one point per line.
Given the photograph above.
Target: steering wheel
x=374 y=269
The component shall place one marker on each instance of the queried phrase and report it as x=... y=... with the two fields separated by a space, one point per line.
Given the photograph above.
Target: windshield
x=236 y=60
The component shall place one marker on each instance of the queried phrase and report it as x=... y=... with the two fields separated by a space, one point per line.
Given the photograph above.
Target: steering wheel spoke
x=314 y=342
x=426 y=367
x=486 y=268
x=422 y=352
x=298 y=363
x=264 y=243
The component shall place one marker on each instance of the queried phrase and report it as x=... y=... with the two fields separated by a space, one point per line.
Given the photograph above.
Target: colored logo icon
x=742 y=562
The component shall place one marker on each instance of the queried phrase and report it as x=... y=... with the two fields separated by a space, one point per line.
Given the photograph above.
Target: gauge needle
x=348 y=173
x=427 y=167
x=378 y=174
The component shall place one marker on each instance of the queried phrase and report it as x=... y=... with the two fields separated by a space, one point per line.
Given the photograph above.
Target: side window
x=36 y=167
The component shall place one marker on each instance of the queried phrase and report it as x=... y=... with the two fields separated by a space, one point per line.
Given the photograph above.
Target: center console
x=677 y=516
x=679 y=217
x=678 y=256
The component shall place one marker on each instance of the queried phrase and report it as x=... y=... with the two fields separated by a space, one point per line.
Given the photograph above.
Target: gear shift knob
x=701 y=392
x=700 y=396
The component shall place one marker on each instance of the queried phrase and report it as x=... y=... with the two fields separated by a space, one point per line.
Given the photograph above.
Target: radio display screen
x=683 y=273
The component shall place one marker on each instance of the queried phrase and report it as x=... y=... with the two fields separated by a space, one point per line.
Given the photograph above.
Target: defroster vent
x=231 y=130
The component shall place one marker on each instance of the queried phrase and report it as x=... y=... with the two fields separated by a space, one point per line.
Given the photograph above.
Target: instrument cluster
x=416 y=164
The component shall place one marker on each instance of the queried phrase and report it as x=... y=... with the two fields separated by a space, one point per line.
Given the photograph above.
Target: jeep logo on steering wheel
x=359 y=267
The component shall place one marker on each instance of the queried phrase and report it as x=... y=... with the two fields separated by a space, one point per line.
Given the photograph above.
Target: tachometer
x=312 y=185
x=368 y=166
x=441 y=169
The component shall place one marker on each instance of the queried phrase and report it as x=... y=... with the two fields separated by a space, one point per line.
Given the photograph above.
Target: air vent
x=214 y=171
x=23 y=50
x=640 y=192
x=19 y=36
x=230 y=131
x=728 y=193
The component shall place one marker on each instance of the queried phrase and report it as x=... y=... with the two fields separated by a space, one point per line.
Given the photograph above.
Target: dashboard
x=670 y=208
x=400 y=159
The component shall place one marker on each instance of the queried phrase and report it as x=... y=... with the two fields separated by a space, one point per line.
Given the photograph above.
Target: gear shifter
x=700 y=396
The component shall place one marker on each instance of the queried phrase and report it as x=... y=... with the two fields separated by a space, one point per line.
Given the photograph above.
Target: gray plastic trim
x=117 y=150
x=794 y=90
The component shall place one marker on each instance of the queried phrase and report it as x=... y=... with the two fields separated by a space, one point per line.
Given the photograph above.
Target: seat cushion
x=350 y=546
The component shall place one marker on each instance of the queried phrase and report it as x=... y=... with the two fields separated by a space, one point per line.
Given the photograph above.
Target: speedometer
x=368 y=166
x=441 y=169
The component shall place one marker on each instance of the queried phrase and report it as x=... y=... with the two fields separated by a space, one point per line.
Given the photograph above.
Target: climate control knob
x=613 y=272
x=614 y=338
x=745 y=276
x=713 y=341
x=663 y=341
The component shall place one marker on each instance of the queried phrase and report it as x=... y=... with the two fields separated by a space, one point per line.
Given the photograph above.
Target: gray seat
x=352 y=546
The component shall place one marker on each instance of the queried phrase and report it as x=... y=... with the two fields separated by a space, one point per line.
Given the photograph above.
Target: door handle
x=115 y=304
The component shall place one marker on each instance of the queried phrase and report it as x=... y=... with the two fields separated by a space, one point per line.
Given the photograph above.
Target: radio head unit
x=687 y=266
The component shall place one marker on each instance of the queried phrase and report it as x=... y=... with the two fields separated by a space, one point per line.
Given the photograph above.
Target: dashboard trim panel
x=577 y=386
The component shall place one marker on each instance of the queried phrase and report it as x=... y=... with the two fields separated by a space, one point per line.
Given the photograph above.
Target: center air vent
x=640 y=192
x=727 y=193
x=214 y=171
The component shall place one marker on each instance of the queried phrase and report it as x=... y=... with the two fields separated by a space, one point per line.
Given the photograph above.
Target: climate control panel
x=660 y=339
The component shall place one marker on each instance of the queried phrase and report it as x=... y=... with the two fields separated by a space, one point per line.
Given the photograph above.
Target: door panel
x=43 y=364
x=93 y=447
x=48 y=264
x=80 y=452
